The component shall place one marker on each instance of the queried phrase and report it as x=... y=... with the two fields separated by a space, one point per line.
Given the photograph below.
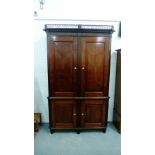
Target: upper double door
x=79 y=67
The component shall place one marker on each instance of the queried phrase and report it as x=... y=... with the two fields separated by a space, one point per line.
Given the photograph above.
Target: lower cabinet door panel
x=72 y=114
x=93 y=113
x=63 y=114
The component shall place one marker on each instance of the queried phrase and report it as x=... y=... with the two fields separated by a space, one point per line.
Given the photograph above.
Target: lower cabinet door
x=93 y=113
x=63 y=114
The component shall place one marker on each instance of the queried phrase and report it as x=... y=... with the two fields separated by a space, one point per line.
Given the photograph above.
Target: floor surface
x=71 y=143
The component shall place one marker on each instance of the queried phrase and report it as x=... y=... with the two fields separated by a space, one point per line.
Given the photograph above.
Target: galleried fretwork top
x=73 y=28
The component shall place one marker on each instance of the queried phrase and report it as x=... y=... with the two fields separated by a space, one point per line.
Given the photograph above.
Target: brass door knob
x=82 y=114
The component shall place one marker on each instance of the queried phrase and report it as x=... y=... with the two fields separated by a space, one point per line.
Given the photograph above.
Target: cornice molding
x=74 y=28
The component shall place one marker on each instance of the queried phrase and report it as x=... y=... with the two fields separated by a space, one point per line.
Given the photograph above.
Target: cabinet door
x=95 y=63
x=62 y=66
x=64 y=114
x=93 y=113
x=95 y=60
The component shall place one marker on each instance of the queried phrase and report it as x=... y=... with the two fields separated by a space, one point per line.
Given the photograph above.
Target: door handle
x=82 y=114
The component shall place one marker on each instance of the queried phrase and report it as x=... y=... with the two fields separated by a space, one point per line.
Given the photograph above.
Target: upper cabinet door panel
x=63 y=63
x=95 y=56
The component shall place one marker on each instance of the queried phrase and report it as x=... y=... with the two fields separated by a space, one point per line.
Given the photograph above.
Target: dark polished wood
x=78 y=74
x=64 y=114
x=117 y=102
x=93 y=113
x=95 y=58
x=78 y=98
x=62 y=66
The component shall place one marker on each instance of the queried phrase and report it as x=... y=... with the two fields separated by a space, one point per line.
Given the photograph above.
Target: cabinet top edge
x=118 y=51
x=73 y=28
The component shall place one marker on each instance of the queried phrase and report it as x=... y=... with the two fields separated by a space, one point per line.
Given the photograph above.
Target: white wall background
x=79 y=9
x=57 y=12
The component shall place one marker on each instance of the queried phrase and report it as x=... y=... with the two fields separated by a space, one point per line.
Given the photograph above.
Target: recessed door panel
x=93 y=113
x=94 y=66
x=64 y=114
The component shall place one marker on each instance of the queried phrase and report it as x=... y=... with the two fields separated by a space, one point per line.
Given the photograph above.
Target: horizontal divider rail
x=78 y=98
